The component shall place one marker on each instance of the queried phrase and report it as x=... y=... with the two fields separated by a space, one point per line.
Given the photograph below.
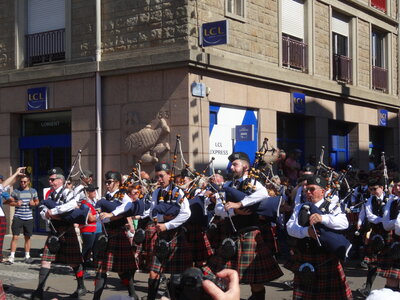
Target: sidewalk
x=23 y=278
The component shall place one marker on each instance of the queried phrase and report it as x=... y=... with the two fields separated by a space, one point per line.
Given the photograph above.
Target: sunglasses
x=311 y=189
x=109 y=181
x=52 y=179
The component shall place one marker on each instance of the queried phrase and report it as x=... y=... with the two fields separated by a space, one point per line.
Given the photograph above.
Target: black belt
x=247 y=229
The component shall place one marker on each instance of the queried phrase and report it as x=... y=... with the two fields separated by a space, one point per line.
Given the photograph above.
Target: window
x=235 y=8
x=379 y=4
x=379 y=68
x=294 y=49
x=45 y=39
x=342 y=63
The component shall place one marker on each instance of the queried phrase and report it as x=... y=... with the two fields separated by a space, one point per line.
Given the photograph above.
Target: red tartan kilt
x=199 y=244
x=388 y=267
x=352 y=217
x=119 y=254
x=371 y=257
x=180 y=258
x=330 y=280
x=254 y=261
x=145 y=250
x=269 y=235
x=70 y=251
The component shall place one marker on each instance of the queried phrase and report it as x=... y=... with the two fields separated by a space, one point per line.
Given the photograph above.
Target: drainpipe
x=99 y=162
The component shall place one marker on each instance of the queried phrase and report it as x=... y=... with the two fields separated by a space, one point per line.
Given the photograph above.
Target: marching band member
x=329 y=280
x=69 y=253
x=389 y=263
x=374 y=210
x=170 y=210
x=118 y=254
x=253 y=260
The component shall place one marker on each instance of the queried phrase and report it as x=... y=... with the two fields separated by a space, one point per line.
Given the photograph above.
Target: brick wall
x=321 y=40
x=363 y=54
x=6 y=35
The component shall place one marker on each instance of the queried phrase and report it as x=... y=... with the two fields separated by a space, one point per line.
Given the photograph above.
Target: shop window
x=379 y=68
x=45 y=39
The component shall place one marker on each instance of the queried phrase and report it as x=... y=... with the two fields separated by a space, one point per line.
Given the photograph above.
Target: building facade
x=121 y=79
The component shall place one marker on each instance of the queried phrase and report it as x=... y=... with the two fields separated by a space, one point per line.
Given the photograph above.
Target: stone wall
x=7 y=41
x=322 y=36
x=394 y=64
x=364 y=66
x=129 y=25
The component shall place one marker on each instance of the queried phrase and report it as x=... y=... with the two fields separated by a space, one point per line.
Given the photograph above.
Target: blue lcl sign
x=383 y=117
x=37 y=98
x=299 y=103
x=214 y=33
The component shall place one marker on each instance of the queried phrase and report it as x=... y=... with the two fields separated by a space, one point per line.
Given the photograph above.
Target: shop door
x=45 y=143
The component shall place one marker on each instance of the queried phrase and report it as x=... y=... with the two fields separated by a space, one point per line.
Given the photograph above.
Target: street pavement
x=20 y=278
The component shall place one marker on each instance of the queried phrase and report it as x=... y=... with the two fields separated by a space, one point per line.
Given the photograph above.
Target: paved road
x=22 y=278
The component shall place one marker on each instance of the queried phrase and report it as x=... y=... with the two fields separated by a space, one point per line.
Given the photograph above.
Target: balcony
x=45 y=47
x=379 y=79
x=342 y=68
x=294 y=54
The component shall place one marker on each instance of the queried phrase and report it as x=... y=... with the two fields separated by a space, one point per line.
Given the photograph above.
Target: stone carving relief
x=146 y=144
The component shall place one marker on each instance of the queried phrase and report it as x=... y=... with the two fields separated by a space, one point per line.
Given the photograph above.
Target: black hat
x=376 y=181
x=91 y=188
x=309 y=168
x=86 y=174
x=114 y=175
x=317 y=180
x=239 y=155
x=162 y=167
x=55 y=171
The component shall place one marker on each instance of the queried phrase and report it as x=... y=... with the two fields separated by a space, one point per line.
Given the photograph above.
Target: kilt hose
x=253 y=260
x=70 y=251
x=119 y=255
x=3 y=229
x=330 y=280
x=180 y=257
x=199 y=244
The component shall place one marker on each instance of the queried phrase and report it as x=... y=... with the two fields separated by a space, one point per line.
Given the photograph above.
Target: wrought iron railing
x=342 y=68
x=294 y=54
x=45 y=47
x=379 y=78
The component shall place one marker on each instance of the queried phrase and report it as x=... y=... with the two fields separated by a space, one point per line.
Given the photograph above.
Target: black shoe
x=78 y=293
x=37 y=295
x=364 y=292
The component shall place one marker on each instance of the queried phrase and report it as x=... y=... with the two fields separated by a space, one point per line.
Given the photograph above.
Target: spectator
x=23 y=199
x=292 y=166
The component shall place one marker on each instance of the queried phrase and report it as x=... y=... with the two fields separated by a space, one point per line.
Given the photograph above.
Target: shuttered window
x=340 y=24
x=293 y=18
x=45 y=15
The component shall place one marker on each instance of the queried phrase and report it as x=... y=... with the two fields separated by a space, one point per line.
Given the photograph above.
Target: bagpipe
x=333 y=241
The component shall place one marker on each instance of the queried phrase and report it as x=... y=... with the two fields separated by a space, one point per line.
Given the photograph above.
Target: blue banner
x=215 y=33
x=37 y=98
x=299 y=103
x=383 y=117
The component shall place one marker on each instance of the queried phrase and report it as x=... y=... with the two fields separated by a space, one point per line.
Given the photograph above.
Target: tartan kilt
x=217 y=235
x=372 y=258
x=180 y=258
x=119 y=255
x=330 y=281
x=388 y=266
x=254 y=261
x=145 y=250
x=199 y=244
x=70 y=251
x=269 y=236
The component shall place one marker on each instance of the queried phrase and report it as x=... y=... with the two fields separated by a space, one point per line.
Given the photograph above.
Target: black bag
x=54 y=244
x=395 y=250
x=140 y=236
x=162 y=249
x=307 y=274
x=377 y=243
x=101 y=243
x=228 y=249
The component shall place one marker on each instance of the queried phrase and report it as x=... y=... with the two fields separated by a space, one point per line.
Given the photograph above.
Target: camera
x=189 y=285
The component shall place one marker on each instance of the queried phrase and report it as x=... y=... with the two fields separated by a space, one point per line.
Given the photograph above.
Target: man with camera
x=24 y=200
